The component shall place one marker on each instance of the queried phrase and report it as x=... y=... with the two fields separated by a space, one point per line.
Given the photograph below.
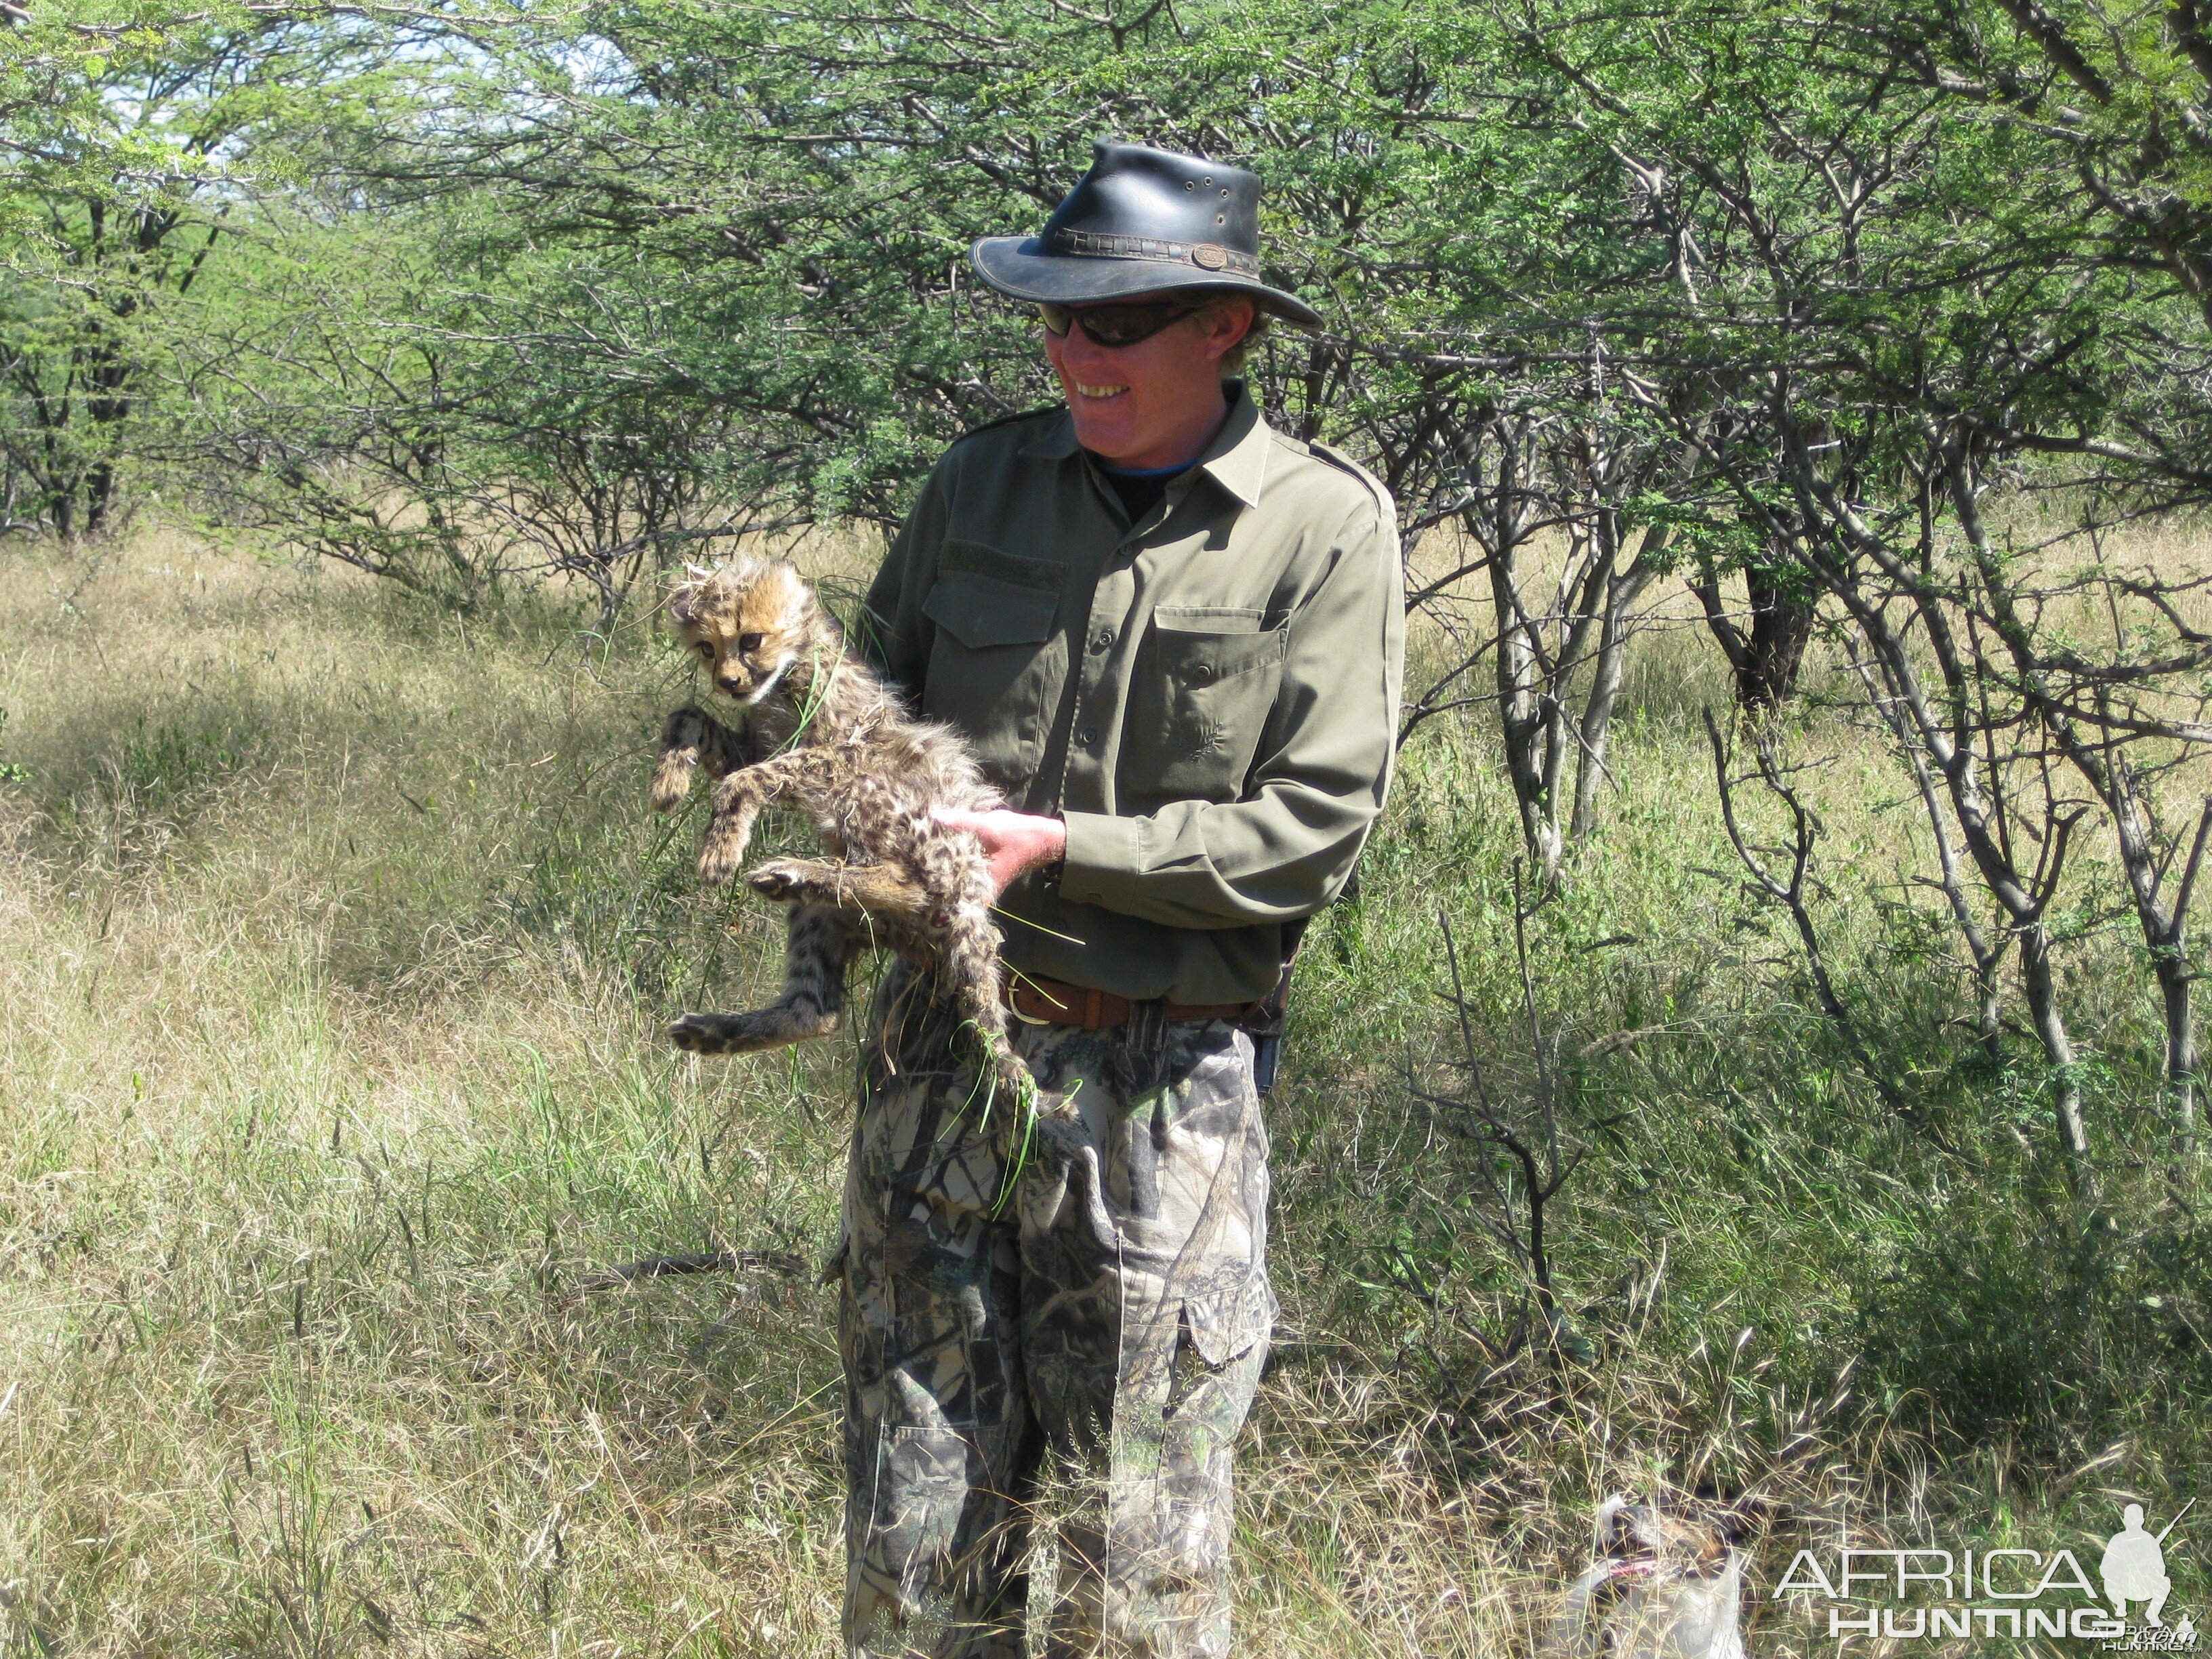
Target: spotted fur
x=822 y=733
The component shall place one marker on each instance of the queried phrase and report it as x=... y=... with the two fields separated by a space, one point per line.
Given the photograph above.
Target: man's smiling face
x=1138 y=405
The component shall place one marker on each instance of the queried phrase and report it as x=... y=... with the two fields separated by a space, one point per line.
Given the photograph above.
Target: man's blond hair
x=1233 y=360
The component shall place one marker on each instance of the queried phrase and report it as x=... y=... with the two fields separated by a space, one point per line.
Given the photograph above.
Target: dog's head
x=750 y=621
x=1628 y=1531
x=1664 y=1584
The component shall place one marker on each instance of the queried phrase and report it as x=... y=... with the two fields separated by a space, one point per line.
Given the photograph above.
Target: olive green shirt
x=1208 y=697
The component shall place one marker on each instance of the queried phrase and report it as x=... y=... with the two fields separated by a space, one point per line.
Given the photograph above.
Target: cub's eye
x=707 y=650
x=749 y=643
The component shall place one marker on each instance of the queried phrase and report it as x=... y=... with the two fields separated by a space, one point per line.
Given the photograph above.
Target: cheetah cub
x=822 y=733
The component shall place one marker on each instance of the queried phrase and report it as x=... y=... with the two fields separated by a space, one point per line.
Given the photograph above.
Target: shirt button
x=1101 y=639
x=1201 y=674
x=1087 y=736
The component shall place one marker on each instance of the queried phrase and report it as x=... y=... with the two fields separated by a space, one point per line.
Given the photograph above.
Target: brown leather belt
x=1049 y=1002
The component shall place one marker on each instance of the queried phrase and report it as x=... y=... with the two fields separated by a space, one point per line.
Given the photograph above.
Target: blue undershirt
x=1141 y=487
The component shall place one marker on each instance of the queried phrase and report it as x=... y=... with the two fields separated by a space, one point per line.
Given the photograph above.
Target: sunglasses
x=1115 y=326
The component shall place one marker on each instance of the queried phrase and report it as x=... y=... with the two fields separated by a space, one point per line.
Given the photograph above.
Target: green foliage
x=530 y=290
x=539 y=290
x=2000 y=1320
x=171 y=763
x=138 y=140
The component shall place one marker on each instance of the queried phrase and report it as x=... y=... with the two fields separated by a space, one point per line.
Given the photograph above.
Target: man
x=1174 y=638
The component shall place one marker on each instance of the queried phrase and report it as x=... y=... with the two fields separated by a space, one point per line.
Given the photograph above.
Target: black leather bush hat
x=1142 y=222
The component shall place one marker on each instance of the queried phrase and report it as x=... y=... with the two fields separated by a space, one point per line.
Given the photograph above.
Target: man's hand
x=1015 y=842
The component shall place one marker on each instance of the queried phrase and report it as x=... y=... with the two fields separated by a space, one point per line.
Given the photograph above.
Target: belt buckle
x=1016 y=985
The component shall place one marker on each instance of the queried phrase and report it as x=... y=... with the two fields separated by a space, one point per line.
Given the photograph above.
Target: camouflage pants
x=1043 y=1378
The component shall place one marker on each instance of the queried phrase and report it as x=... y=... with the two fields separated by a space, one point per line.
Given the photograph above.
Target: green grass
x=335 y=939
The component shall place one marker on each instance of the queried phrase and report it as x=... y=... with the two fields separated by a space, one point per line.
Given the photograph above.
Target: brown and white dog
x=1663 y=1588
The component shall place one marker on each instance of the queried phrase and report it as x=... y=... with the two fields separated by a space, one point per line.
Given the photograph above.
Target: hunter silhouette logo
x=2134 y=1570
x=1932 y=1593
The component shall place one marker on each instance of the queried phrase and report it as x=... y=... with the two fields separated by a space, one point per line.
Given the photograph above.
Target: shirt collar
x=1236 y=459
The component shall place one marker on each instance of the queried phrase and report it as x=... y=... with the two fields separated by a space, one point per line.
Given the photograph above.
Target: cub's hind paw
x=723 y=1034
x=699 y=1033
x=786 y=881
x=745 y=1034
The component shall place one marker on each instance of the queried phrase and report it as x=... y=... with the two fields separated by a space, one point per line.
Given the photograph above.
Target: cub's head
x=750 y=621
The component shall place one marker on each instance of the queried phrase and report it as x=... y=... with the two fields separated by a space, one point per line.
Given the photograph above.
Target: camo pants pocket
x=923 y=1479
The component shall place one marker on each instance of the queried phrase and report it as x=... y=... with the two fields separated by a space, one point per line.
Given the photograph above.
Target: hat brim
x=1021 y=268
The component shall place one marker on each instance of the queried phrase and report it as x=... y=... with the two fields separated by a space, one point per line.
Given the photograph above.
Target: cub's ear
x=798 y=591
x=684 y=598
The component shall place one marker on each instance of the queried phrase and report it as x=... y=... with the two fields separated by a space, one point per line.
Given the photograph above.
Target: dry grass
x=334 y=939
x=308 y=1110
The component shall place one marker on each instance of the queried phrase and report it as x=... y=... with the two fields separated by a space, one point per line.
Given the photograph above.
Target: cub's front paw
x=724 y=852
x=671 y=779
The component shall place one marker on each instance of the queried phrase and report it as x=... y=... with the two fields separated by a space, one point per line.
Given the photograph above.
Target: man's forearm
x=1280 y=856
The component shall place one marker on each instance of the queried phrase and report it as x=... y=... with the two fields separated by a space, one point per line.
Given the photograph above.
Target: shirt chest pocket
x=993 y=614
x=1197 y=706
